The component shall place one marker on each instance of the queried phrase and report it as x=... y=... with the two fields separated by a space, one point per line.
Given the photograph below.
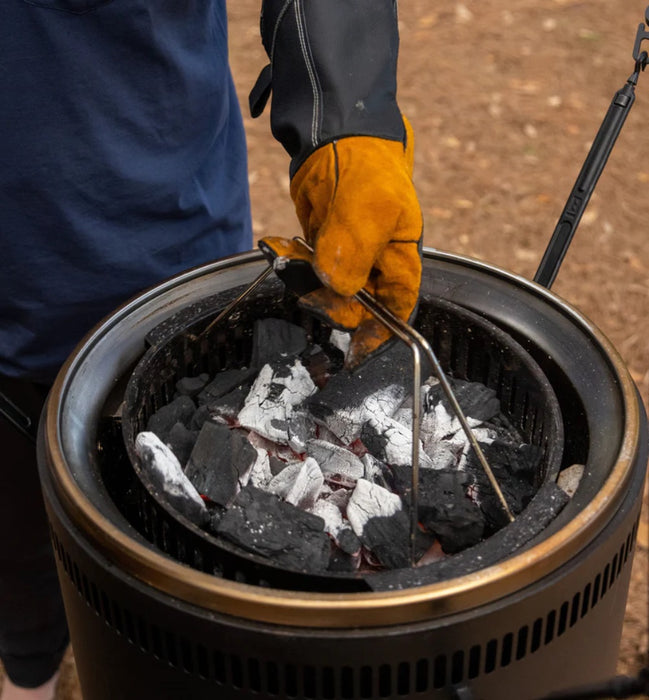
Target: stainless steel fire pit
x=543 y=617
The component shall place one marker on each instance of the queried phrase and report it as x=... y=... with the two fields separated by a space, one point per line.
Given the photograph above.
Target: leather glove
x=358 y=208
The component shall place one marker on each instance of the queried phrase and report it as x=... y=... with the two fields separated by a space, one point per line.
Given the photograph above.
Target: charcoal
x=220 y=459
x=276 y=464
x=180 y=410
x=516 y=490
x=350 y=399
x=192 y=386
x=261 y=523
x=318 y=364
x=570 y=478
x=335 y=460
x=335 y=526
x=388 y=538
x=167 y=475
x=201 y=415
x=274 y=338
x=300 y=429
x=283 y=453
x=340 y=340
x=476 y=400
x=298 y=483
x=226 y=382
x=391 y=442
x=344 y=563
x=370 y=501
x=376 y=472
x=229 y=405
x=544 y=507
x=260 y=472
x=278 y=389
x=181 y=441
x=521 y=459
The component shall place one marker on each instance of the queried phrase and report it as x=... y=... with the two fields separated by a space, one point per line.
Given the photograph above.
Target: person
x=123 y=162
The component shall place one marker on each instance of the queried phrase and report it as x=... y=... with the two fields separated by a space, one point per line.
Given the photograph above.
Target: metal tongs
x=417 y=344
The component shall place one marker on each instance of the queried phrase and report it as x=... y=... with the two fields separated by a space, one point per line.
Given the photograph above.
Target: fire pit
x=158 y=609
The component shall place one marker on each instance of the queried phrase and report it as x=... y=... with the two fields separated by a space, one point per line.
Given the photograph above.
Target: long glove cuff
x=332 y=72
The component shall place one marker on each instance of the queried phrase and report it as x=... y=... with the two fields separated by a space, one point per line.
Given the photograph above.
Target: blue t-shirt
x=122 y=162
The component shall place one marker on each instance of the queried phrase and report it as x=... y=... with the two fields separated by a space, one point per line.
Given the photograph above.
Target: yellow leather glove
x=358 y=208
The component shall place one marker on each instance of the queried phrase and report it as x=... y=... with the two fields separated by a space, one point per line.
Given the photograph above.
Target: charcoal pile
x=293 y=458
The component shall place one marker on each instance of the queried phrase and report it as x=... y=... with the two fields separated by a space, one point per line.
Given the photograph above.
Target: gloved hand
x=358 y=208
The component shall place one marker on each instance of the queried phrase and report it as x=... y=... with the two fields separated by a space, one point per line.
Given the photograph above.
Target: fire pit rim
x=338 y=610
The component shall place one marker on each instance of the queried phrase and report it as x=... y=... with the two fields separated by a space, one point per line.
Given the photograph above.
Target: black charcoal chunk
x=191 y=386
x=274 y=338
x=544 y=507
x=220 y=459
x=180 y=410
x=229 y=405
x=516 y=489
x=181 y=441
x=444 y=508
x=225 y=382
x=261 y=523
x=201 y=415
x=388 y=539
x=476 y=400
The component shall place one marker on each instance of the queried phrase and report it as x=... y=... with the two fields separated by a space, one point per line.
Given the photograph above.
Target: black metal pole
x=585 y=184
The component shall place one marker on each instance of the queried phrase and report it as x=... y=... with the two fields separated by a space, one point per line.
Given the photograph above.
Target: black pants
x=33 y=630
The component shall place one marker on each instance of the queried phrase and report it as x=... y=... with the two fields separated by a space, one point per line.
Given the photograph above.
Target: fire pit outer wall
x=546 y=617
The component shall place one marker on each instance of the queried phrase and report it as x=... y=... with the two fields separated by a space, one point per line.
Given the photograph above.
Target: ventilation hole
x=596 y=585
x=585 y=603
x=202 y=662
x=627 y=547
x=156 y=643
x=290 y=680
x=537 y=629
x=563 y=619
x=143 y=634
x=613 y=571
x=172 y=652
x=574 y=610
x=117 y=618
x=403 y=678
x=328 y=683
x=272 y=678
x=105 y=605
x=347 y=682
x=186 y=656
x=310 y=682
x=421 y=676
x=474 y=661
x=236 y=669
x=506 y=654
x=605 y=580
x=521 y=643
x=129 y=627
x=549 y=626
x=490 y=656
x=385 y=681
x=365 y=676
x=439 y=672
x=457 y=667
x=86 y=589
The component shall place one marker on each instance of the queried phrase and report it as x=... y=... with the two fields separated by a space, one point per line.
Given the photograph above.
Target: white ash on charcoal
x=334 y=459
x=350 y=399
x=278 y=389
x=220 y=462
x=336 y=526
x=262 y=523
x=299 y=483
x=391 y=443
x=167 y=475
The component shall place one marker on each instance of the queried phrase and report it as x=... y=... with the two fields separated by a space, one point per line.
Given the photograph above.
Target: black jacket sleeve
x=332 y=72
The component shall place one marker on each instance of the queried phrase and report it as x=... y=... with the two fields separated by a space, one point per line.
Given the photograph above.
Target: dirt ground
x=505 y=99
